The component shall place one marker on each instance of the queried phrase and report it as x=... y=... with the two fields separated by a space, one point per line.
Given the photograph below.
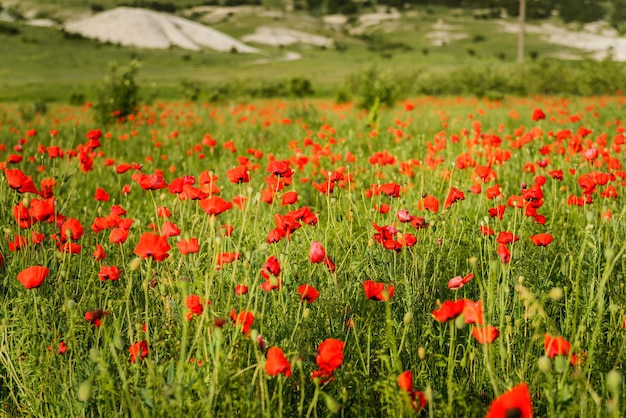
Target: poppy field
x=444 y=257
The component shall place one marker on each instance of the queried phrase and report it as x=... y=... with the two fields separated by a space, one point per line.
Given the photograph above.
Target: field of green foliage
x=437 y=257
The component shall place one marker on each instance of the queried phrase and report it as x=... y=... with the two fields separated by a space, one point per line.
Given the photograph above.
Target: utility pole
x=522 y=29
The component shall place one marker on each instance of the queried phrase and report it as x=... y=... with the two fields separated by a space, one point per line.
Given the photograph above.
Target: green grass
x=40 y=64
x=571 y=288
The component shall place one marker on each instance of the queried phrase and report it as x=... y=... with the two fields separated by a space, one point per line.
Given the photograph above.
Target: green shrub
x=191 y=90
x=372 y=86
x=7 y=28
x=118 y=93
x=300 y=87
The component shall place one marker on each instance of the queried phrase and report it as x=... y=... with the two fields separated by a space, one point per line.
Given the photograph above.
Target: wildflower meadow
x=440 y=257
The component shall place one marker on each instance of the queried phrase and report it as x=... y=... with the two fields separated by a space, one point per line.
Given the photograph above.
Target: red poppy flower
x=559 y=346
x=99 y=253
x=271 y=283
x=118 y=236
x=227 y=258
x=506 y=238
x=241 y=289
x=497 y=211
x=326 y=187
x=271 y=266
x=316 y=252
x=72 y=229
x=473 y=312
x=188 y=246
x=329 y=355
x=94 y=134
x=19 y=181
x=513 y=403
x=163 y=212
x=308 y=293
x=542 y=240
x=486 y=335
x=277 y=363
x=95 y=316
x=150 y=181
x=122 y=168
x=215 y=205
x=591 y=154
x=169 y=229
x=195 y=306
x=486 y=230
x=389 y=189
x=244 y=319
x=458 y=282
x=33 y=276
x=493 y=192
x=453 y=196
x=176 y=185
x=329 y=264
x=227 y=230
x=404 y=216
x=69 y=247
x=538 y=115
x=377 y=291
x=280 y=168
x=42 y=209
x=556 y=174
x=238 y=174
x=405 y=382
x=449 y=310
x=36 y=238
x=407 y=240
x=152 y=245
x=504 y=253
x=515 y=201
x=430 y=203
x=22 y=216
x=138 y=351
x=101 y=195
x=109 y=273
x=485 y=173
x=289 y=198
x=18 y=243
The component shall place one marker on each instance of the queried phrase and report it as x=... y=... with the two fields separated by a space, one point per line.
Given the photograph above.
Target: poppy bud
x=561 y=364
x=544 y=364
x=421 y=353
x=555 y=293
x=94 y=355
x=84 y=391
x=609 y=253
x=407 y=318
x=614 y=381
x=134 y=264
x=332 y=405
x=459 y=322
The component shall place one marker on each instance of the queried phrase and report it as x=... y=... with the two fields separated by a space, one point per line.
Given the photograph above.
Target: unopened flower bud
x=421 y=353
x=544 y=364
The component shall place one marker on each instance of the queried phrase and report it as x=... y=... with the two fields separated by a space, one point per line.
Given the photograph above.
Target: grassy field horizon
x=47 y=65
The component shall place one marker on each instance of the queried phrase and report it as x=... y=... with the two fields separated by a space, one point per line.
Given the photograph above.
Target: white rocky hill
x=149 y=29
